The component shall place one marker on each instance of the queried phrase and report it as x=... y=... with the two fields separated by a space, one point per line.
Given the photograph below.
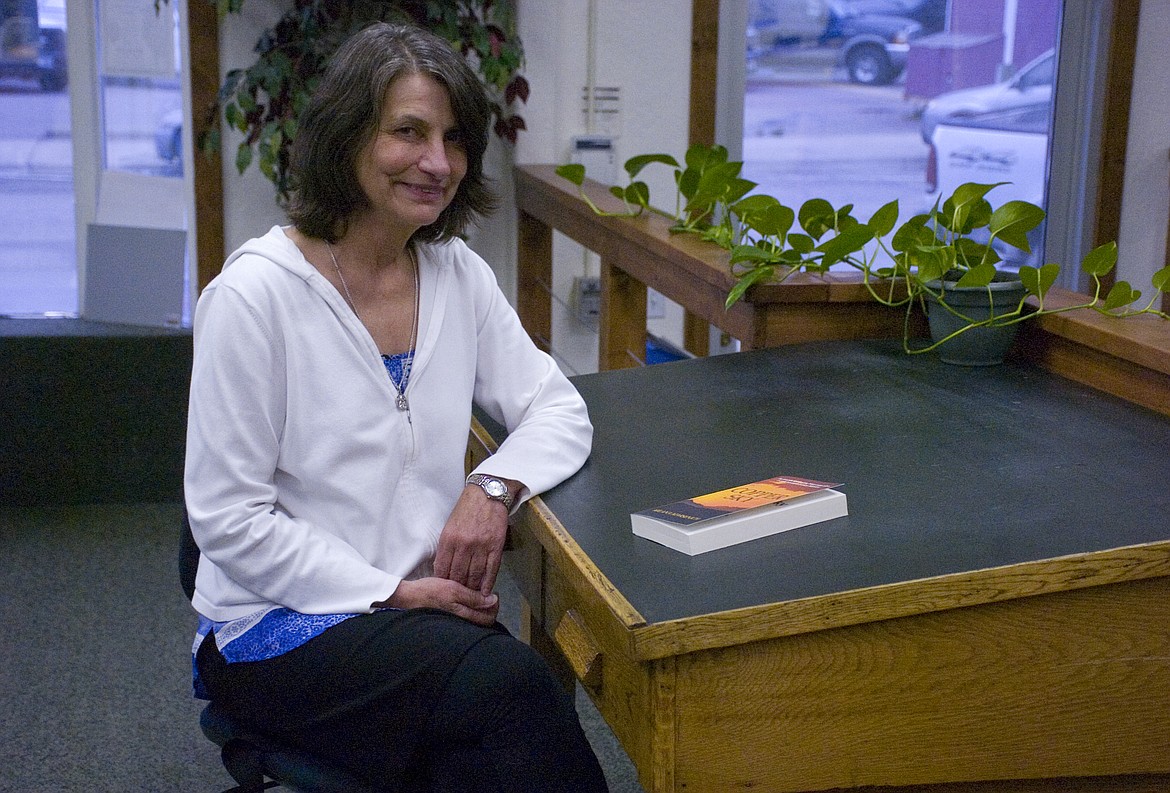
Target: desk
x=979 y=616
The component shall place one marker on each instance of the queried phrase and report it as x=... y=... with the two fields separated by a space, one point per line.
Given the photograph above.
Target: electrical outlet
x=587 y=298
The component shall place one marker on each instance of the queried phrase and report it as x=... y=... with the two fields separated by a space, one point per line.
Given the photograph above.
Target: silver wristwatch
x=495 y=488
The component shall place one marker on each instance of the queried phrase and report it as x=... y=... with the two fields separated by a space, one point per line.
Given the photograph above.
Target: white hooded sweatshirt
x=306 y=487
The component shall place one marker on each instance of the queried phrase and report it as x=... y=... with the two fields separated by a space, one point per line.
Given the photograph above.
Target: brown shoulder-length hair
x=343 y=115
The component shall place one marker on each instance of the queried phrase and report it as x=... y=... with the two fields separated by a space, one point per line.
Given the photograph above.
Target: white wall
x=641 y=47
x=1146 y=198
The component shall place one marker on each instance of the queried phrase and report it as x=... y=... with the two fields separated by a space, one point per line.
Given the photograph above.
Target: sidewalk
x=37 y=158
x=51 y=157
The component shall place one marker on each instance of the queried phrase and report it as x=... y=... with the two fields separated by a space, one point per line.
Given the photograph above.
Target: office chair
x=255 y=761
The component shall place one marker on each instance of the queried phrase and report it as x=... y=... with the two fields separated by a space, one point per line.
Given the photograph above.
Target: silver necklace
x=408 y=362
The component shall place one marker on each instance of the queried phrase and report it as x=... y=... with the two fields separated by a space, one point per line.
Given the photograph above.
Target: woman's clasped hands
x=467 y=560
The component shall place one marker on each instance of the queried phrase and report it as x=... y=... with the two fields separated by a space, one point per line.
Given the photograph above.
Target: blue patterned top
x=398 y=366
x=275 y=631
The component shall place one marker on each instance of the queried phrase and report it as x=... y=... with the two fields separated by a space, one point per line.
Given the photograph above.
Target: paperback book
x=738 y=514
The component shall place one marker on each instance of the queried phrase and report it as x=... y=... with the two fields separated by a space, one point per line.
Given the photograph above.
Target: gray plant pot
x=978 y=346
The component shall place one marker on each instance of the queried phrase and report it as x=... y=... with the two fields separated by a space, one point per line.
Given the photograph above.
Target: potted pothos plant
x=944 y=260
x=264 y=100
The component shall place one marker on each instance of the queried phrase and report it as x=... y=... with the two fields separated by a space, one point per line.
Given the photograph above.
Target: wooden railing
x=1128 y=358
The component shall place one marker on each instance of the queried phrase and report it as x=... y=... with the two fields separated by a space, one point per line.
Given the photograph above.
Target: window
x=141 y=98
x=864 y=101
x=38 y=274
x=92 y=137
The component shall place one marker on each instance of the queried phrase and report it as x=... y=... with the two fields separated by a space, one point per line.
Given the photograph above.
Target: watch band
x=496 y=489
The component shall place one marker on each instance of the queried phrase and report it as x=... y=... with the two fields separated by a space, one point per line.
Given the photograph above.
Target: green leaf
x=802 y=243
x=716 y=179
x=932 y=264
x=247 y=102
x=980 y=275
x=234 y=117
x=971 y=193
x=720 y=235
x=817 y=216
x=848 y=241
x=1161 y=280
x=965 y=218
x=1012 y=222
x=745 y=282
x=754 y=254
x=701 y=156
x=969 y=253
x=737 y=188
x=773 y=221
x=638 y=193
x=1100 y=260
x=1122 y=294
x=573 y=171
x=912 y=234
x=1039 y=281
x=634 y=165
x=688 y=183
x=243 y=157
x=757 y=204
x=882 y=222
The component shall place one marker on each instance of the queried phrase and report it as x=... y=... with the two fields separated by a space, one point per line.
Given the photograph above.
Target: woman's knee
x=503 y=679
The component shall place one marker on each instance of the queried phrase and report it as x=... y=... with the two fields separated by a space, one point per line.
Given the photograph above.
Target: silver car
x=1031 y=85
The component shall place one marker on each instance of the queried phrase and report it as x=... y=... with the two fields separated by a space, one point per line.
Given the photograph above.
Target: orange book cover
x=775 y=490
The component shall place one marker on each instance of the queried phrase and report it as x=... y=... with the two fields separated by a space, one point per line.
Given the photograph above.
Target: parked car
x=33 y=48
x=870 y=38
x=931 y=14
x=1032 y=85
x=874 y=46
x=1004 y=145
x=773 y=24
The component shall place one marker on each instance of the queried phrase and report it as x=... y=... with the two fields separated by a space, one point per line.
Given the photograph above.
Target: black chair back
x=248 y=756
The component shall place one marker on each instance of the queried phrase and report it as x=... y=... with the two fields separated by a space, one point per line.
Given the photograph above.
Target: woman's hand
x=440 y=593
x=471 y=544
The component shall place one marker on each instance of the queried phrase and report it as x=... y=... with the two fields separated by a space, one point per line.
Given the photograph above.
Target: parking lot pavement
x=841 y=142
x=51 y=157
x=47 y=158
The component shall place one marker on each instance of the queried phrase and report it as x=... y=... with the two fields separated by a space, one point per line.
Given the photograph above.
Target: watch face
x=495 y=488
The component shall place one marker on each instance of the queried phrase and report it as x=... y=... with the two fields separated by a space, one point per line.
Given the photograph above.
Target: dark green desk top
x=947 y=470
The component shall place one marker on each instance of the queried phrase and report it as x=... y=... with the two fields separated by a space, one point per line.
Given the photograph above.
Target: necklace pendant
x=401 y=402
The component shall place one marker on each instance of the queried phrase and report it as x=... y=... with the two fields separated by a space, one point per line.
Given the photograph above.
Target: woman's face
x=412 y=167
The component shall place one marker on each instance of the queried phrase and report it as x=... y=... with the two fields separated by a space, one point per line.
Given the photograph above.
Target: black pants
x=416 y=700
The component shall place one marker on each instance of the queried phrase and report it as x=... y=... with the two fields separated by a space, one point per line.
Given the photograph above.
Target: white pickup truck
x=1000 y=146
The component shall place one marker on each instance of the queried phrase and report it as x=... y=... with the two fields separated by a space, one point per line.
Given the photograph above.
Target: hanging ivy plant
x=264 y=100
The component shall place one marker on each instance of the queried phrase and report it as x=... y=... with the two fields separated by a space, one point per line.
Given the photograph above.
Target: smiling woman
x=264 y=100
x=336 y=365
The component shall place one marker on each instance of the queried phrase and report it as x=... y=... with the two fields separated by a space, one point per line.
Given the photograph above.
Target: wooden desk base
x=1016 y=692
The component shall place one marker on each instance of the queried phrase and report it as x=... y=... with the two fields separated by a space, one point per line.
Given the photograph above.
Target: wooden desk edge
x=902 y=599
x=557 y=542
x=839 y=609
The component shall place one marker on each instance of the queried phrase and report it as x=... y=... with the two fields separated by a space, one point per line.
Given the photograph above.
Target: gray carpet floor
x=95 y=660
